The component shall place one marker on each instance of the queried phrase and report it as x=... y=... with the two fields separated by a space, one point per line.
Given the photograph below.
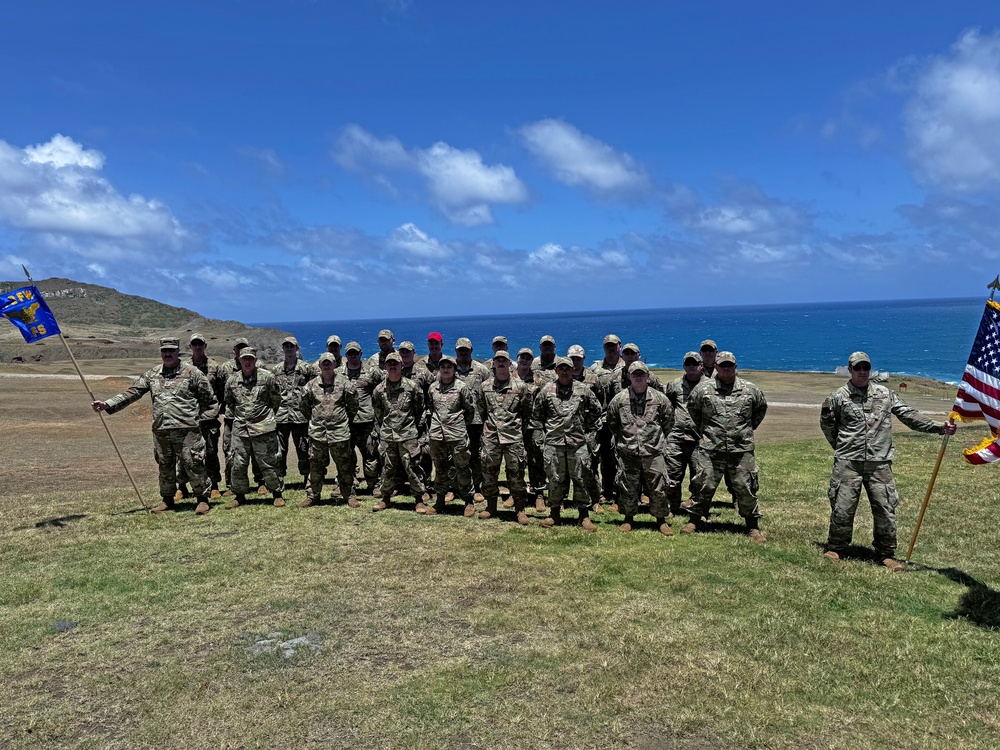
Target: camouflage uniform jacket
x=330 y=409
x=180 y=396
x=291 y=383
x=377 y=360
x=620 y=382
x=253 y=402
x=565 y=416
x=211 y=370
x=506 y=408
x=450 y=410
x=727 y=417
x=399 y=408
x=858 y=424
x=679 y=391
x=640 y=424
x=474 y=377
x=365 y=380
x=226 y=370
x=538 y=366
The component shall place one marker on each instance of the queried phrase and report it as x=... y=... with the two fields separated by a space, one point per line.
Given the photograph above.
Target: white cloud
x=64 y=152
x=411 y=239
x=575 y=261
x=459 y=184
x=579 y=160
x=953 y=118
x=98 y=270
x=267 y=159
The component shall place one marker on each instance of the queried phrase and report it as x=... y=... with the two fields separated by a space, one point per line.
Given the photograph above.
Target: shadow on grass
x=54 y=523
x=980 y=604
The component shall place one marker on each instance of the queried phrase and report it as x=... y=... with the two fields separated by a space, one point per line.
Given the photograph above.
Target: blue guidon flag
x=979 y=394
x=27 y=310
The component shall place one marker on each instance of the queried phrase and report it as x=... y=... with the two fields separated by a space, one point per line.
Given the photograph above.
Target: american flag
x=979 y=395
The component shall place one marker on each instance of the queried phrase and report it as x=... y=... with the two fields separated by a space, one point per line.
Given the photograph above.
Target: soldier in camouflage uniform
x=547 y=355
x=499 y=343
x=432 y=360
x=564 y=413
x=293 y=426
x=536 y=463
x=386 y=346
x=226 y=370
x=725 y=410
x=709 y=351
x=329 y=402
x=209 y=421
x=423 y=378
x=399 y=408
x=473 y=374
x=856 y=420
x=608 y=372
x=450 y=410
x=683 y=437
x=181 y=394
x=253 y=398
x=505 y=404
x=333 y=346
x=364 y=437
x=597 y=386
x=641 y=419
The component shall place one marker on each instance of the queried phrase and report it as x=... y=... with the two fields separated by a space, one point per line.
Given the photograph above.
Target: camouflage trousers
x=227 y=449
x=589 y=485
x=494 y=454
x=678 y=460
x=475 y=449
x=401 y=462
x=451 y=467
x=740 y=470
x=319 y=459
x=846 y=481
x=536 y=464
x=635 y=472
x=365 y=439
x=186 y=446
x=262 y=448
x=213 y=469
x=297 y=434
x=606 y=460
x=563 y=465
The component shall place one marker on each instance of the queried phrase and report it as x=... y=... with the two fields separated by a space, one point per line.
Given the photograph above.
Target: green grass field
x=445 y=632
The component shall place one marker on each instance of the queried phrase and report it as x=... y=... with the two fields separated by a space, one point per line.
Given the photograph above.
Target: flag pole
x=927 y=496
x=104 y=420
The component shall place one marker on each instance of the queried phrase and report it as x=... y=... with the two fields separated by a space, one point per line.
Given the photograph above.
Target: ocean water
x=929 y=338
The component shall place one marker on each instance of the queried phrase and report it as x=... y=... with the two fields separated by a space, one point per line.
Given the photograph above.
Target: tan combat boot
x=167 y=503
x=203 y=506
x=552 y=519
x=236 y=502
x=352 y=502
x=522 y=517
x=540 y=503
x=491 y=509
x=893 y=565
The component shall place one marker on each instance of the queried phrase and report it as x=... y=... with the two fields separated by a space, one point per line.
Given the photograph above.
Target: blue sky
x=353 y=159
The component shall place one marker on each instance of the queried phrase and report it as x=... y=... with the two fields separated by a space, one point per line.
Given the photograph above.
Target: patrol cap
x=631 y=347
x=612 y=339
x=241 y=342
x=352 y=346
x=858 y=357
x=500 y=340
x=385 y=333
x=709 y=344
x=576 y=351
x=638 y=367
x=248 y=351
x=527 y=351
x=725 y=357
x=327 y=357
x=463 y=343
x=447 y=358
x=407 y=345
x=290 y=340
x=393 y=357
x=333 y=340
x=696 y=356
x=435 y=336
x=502 y=354
x=170 y=344
x=547 y=340
x=197 y=337
x=561 y=361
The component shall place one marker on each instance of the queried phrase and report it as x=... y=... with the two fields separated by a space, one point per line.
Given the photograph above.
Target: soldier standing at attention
x=433 y=358
x=226 y=370
x=253 y=398
x=683 y=437
x=578 y=356
x=330 y=403
x=386 y=344
x=608 y=371
x=536 y=464
x=209 y=420
x=423 y=378
x=499 y=344
x=709 y=351
x=181 y=394
x=726 y=410
x=399 y=408
x=365 y=379
x=473 y=374
x=293 y=425
x=333 y=345
x=564 y=413
x=641 y=419
x=505 y=403
x=856 y=420
x=451 y=410
x=547 y=357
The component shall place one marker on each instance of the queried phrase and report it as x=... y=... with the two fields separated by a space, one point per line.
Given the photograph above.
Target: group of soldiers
x=440 y=428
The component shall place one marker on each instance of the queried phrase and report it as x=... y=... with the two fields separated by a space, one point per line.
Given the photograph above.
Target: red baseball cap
x=435 y=336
